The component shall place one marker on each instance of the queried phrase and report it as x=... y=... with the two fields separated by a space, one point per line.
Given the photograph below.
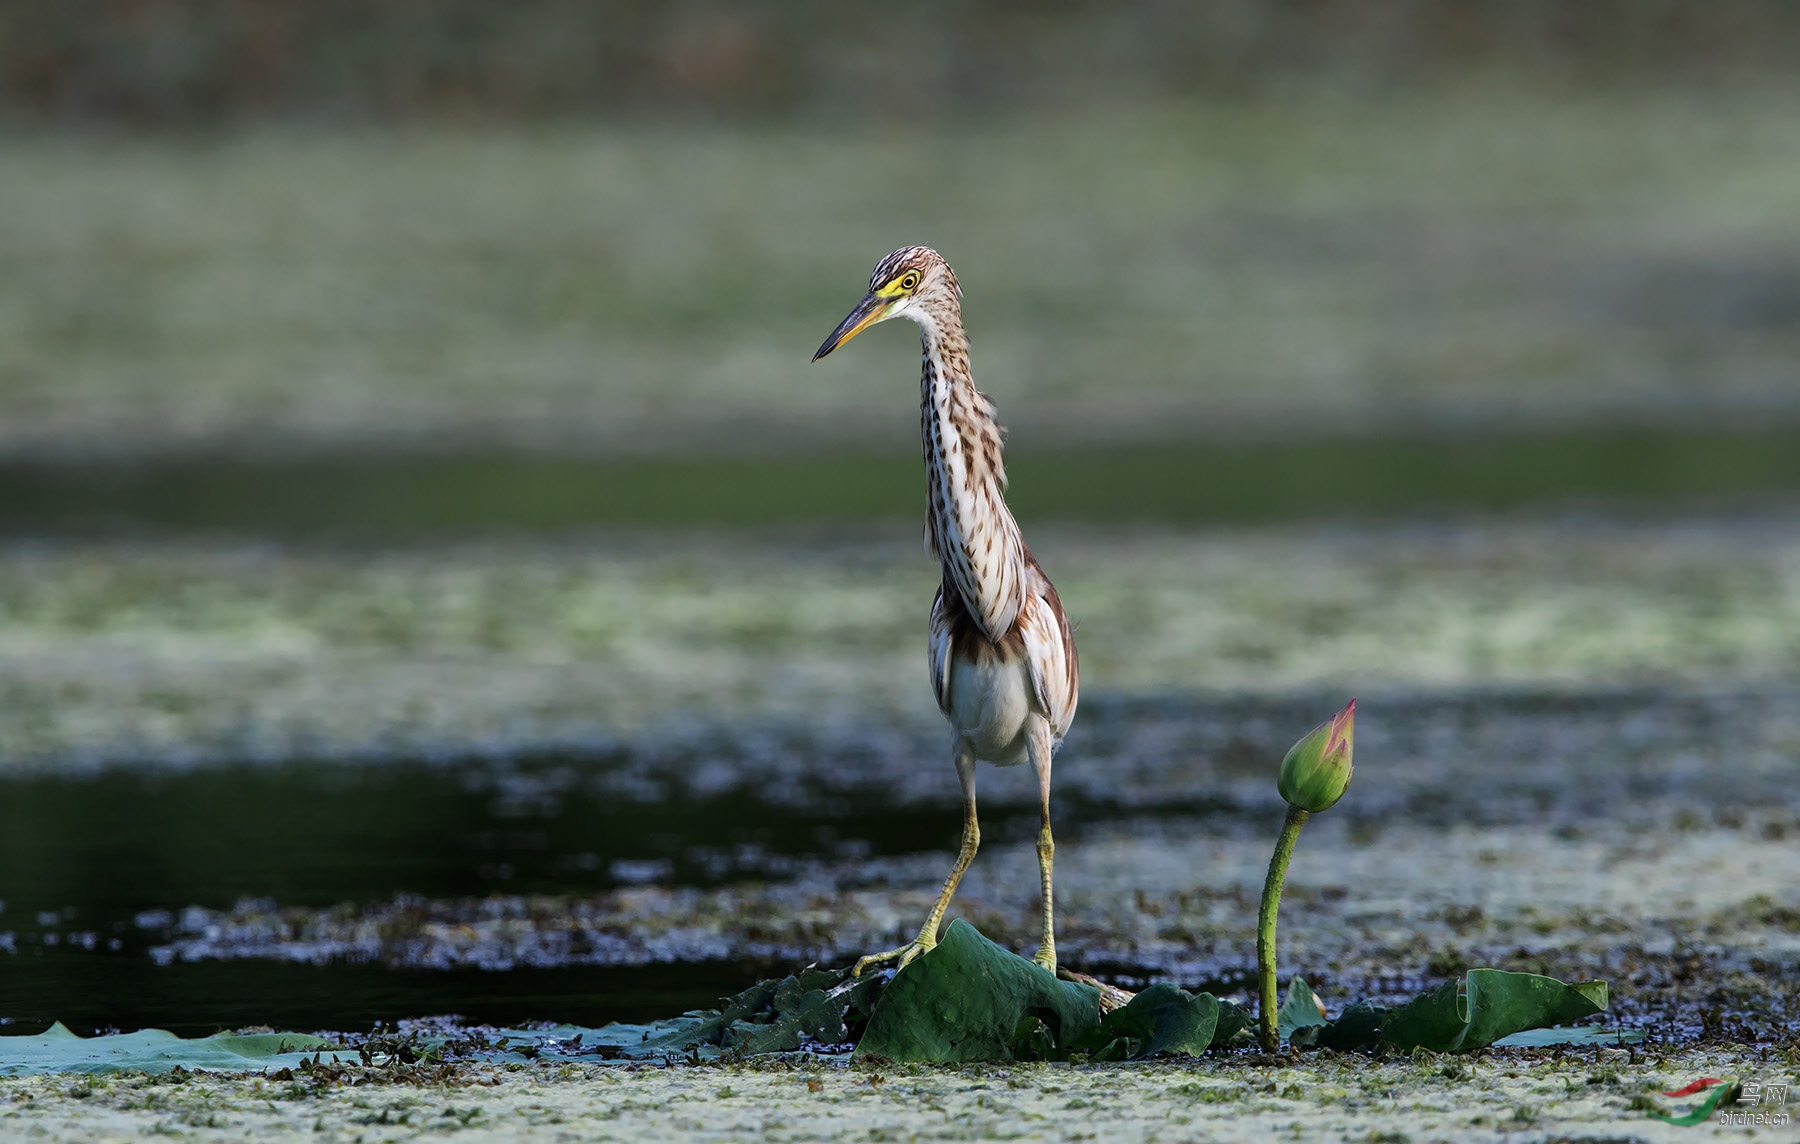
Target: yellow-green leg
x=1039 y=744
x=971 y=840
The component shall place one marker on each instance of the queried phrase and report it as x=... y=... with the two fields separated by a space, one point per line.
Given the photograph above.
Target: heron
x=1001 y=651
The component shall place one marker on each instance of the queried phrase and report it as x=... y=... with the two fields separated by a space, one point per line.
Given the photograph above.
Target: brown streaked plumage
x=1002 y=655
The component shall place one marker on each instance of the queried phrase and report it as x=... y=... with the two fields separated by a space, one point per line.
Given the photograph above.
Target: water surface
x=525 y=887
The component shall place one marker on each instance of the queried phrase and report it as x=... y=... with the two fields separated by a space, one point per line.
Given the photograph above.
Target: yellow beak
x=870 y=310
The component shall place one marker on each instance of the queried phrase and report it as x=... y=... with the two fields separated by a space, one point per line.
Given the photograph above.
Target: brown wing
x=1041 y=635
x=1050 y=651
x=943 y=640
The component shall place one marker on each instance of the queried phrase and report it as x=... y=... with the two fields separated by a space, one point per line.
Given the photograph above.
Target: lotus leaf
x=57 y=1050
x=965 y=1000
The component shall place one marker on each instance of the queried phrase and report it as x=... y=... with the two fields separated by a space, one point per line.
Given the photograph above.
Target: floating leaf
x=769 y=1017
x=1357 y=1027
x=697 y=1031
x=1492 y=1004
x=1580 y=1035
x=965 y=1000
x=57 y=1050
x=1489 y=1007
x=1161 y=1019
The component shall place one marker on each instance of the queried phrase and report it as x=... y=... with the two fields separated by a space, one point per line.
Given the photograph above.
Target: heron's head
x=913 y=282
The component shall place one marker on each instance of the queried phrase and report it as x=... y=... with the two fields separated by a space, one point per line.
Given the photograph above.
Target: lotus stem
x=1265 y=922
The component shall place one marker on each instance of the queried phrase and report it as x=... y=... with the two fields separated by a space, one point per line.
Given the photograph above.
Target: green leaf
x=57 y=1050
x=769 y=1017
x=1161 y=1019
x=261 y=1046
x=1580 y=1035
x=1492 y=1004
x=1032 y=1041
x=698 y=1031
x=1300 y=1011
x=1233 y=1019
x=1594 y=991
x=965 y=999
x=1357 y=1027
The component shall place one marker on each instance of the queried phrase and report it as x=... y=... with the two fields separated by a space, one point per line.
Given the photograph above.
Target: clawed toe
x=904 y=955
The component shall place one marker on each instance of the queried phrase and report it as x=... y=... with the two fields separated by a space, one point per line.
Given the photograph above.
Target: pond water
x=326 y=895
x=100 y=867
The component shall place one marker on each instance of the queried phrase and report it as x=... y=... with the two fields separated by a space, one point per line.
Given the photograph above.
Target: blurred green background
x=298 y=286
x=396 y=383
x=619 y=229
x=324 y=281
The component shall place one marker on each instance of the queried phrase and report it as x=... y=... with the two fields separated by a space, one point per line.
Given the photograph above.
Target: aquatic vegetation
x=1314 y=775
x=966 y=1001
x=57 y=1050
x=1316 y=771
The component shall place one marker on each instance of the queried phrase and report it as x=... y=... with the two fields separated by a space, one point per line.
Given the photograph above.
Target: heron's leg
x=971 y=839
x=1039 y=746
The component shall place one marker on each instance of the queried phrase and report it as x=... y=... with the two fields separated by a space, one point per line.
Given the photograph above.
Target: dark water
x=93 y=867
x=126 y=990
x=316 y=834
x=1182 y=483
x=86 y=865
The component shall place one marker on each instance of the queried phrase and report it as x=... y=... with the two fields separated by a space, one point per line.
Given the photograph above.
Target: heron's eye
x=909 y=280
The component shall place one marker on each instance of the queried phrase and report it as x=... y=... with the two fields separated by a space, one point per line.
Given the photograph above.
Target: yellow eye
x=909 y=280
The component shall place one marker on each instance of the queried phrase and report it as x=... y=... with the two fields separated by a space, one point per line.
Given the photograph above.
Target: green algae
x=1604 y=1094
x=217 y=650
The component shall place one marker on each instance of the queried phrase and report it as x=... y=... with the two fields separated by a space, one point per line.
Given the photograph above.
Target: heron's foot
x=1046 y=957
x=904 y=955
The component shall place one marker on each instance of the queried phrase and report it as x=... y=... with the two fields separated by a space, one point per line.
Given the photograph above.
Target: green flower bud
x=1316 y=772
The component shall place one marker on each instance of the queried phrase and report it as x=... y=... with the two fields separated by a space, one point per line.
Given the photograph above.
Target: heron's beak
x=868 y=311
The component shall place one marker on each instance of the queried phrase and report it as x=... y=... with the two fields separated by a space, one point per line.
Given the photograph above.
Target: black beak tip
x=857 y=319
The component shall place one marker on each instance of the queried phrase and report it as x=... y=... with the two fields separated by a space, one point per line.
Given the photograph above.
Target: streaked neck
x=968 y=526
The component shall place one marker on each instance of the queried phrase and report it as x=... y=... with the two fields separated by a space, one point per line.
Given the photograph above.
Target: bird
x=1001 y=652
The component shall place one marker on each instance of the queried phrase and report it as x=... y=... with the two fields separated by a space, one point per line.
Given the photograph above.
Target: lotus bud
x=1316 y=771
x=1315 y=774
